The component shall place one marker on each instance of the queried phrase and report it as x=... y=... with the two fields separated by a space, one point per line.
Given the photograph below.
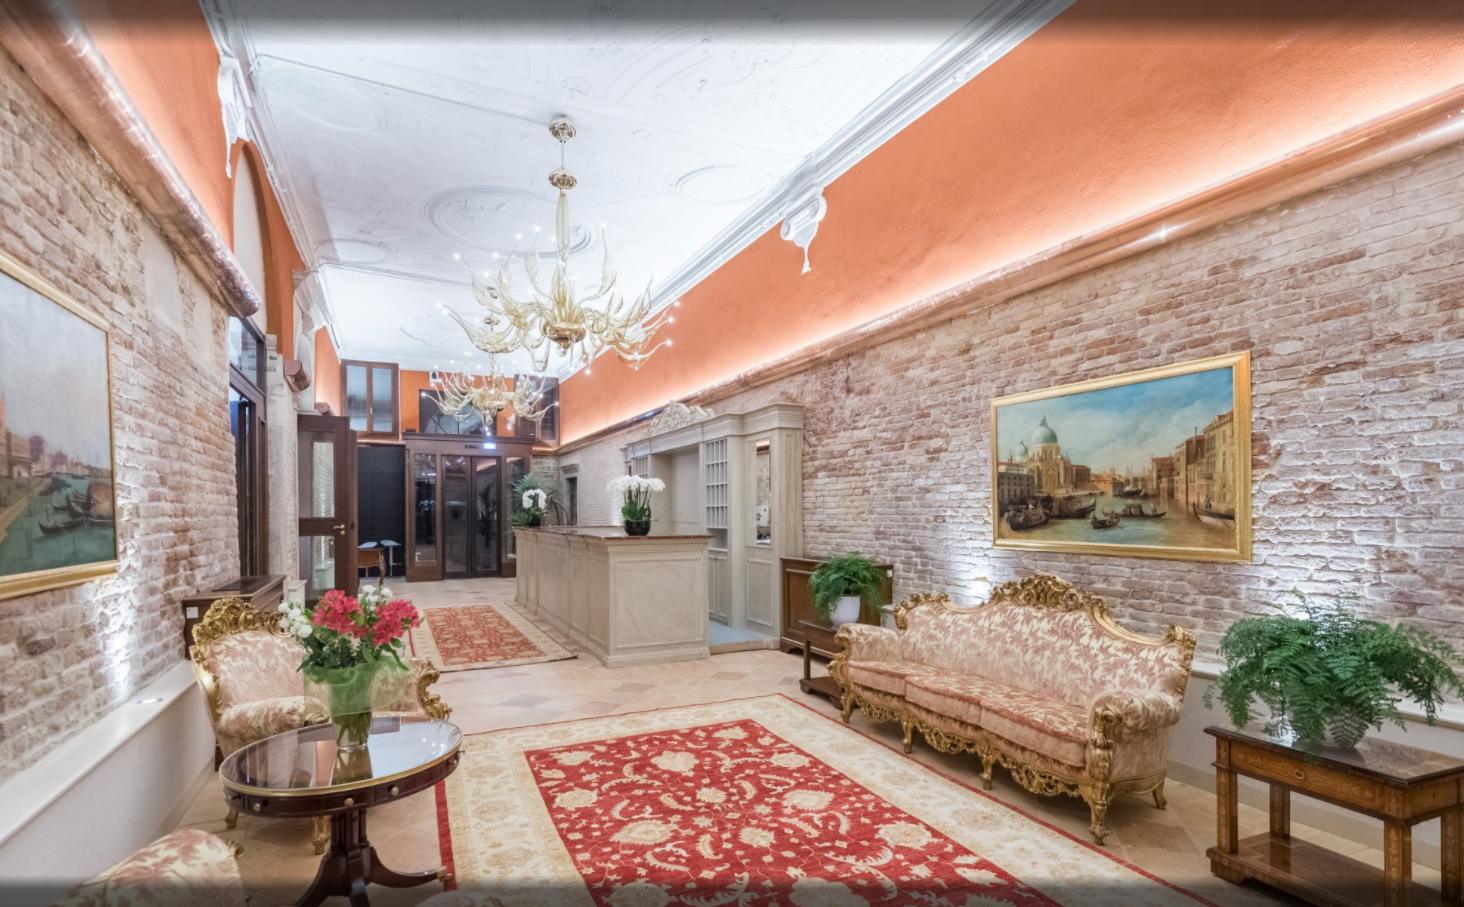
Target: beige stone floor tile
x=278 y=860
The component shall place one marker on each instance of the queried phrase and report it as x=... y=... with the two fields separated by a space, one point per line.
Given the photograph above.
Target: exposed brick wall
x=1352 y=303
x=70 y=655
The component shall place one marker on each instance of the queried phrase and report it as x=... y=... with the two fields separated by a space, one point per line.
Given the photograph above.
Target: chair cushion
x=1042 y=724
x=256 y=665
x=888 y=676
x=188 y=868
x=251 y=721
x=952 y=695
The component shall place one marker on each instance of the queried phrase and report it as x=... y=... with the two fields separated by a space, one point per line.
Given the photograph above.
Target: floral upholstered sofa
x=1039 y=679
x=192 y=868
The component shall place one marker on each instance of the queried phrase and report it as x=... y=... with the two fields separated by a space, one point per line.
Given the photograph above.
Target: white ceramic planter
x=847 y=611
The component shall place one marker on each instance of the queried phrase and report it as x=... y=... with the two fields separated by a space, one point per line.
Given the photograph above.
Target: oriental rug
x=751 y=803
x=471 y=636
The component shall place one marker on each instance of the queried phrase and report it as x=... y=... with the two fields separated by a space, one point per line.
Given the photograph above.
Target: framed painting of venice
x=1147 y=464
x=58 y=519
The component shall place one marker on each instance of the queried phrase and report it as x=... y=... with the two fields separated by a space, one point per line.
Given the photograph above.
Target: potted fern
x=1327 y=675
x=839 y=584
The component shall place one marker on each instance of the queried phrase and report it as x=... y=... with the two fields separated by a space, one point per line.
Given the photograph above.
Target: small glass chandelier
x=462 y=396
x=560 y=318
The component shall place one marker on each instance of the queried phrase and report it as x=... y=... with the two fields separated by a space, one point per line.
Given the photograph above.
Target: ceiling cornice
x=1411 y=132
x=999 y=28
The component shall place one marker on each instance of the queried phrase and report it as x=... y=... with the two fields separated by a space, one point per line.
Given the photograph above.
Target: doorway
x=326 y=480
x=472 y=516
x=459 y=507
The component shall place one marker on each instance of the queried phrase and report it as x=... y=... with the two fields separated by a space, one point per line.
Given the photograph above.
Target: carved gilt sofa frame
x=229 y=617
x=1096 y=782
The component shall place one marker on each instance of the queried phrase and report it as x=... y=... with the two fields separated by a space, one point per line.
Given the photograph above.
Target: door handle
x=340 y=528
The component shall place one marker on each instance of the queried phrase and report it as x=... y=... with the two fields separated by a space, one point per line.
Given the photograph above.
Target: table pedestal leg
x=1397 y=864
x=1280 y=811
x=351 y=864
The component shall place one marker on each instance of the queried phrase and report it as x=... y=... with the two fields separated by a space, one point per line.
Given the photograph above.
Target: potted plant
x=634 y=495
x=1327 y=675
x=839 y=584
x=531 y=501
x=348 y=641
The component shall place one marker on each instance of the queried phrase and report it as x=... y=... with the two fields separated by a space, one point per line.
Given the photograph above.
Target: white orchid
x=535 y=499
x=632 y=497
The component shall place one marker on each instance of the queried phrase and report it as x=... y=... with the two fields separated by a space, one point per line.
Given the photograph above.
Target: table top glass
x=306 y=762
x=1385 y=759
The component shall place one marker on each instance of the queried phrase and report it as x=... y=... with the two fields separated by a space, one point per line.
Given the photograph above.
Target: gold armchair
x=248 y=669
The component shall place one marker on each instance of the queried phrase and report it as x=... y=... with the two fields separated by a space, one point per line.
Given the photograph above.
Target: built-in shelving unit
x=714 y=458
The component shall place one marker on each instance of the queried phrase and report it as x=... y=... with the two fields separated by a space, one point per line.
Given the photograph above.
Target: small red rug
x=467 y=637
x=752 y=803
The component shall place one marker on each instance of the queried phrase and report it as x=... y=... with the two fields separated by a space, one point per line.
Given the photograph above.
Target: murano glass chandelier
x=542 y=320
x=462 y=396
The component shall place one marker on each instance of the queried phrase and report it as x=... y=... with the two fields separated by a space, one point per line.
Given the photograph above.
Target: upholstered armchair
x=192 y=868
x=249 y=671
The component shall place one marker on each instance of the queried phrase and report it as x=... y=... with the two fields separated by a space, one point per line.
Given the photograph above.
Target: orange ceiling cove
x=1113 y=108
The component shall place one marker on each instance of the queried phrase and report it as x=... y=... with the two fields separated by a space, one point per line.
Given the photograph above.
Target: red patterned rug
x=751 y=803
x=466 y=637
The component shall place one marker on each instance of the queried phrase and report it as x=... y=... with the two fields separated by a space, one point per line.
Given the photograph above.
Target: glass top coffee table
x=303 y=773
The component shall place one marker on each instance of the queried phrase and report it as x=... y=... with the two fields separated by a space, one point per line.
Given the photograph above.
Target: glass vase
x=346 y=694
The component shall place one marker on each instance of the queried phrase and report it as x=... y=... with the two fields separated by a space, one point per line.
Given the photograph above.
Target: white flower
x=304 y=630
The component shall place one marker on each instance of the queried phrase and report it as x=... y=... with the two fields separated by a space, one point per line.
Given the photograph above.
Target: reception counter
x=625 y=600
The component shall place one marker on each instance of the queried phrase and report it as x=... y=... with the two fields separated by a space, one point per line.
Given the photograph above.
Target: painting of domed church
x=1146 y=464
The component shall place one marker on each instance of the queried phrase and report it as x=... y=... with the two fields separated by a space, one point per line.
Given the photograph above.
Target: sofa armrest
x=409 y=693
x=1140 y=710
x=864 y=642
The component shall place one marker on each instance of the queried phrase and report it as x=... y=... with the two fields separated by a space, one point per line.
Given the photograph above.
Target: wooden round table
x=302 y=773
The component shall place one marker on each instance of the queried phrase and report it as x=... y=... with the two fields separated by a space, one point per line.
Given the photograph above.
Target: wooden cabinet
x=798 y=602
x=261 y=592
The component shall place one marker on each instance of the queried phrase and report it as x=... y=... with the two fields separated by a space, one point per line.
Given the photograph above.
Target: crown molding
x=53 y=46
x=1430 y=125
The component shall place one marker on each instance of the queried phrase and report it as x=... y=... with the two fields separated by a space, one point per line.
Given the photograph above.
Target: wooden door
x=326 y=480
x=424 y=559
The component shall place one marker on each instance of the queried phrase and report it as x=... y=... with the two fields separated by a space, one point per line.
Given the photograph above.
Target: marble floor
x=278 y=862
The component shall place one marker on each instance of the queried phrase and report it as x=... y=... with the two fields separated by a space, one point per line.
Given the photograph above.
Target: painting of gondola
x=58 y=518
x=1146 y=464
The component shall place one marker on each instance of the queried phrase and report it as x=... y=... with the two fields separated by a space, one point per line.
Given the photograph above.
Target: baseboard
x=110 y=789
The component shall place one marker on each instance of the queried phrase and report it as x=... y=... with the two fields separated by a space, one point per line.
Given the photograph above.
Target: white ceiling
x=400 y=143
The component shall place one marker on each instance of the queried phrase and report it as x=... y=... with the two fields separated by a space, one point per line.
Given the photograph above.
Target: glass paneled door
x=457 y=503
x=326 y=480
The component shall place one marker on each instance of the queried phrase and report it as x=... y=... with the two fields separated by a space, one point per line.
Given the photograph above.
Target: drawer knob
x=350 y=801
x=258 y=806
x=394 y=790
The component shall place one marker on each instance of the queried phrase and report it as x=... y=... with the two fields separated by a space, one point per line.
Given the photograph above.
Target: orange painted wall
x=327 y=377
x=1108 y=111
x=281 y=258
x=165 y=58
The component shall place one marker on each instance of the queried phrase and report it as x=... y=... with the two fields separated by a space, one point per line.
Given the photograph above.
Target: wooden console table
x=818 y=635
x=1400 y=785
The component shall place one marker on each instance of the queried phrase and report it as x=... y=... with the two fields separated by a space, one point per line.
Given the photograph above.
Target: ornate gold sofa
x=249 y=671
x=1039 y=679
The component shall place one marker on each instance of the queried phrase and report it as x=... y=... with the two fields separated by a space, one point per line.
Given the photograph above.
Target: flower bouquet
x=348 y=641
x=634 y=495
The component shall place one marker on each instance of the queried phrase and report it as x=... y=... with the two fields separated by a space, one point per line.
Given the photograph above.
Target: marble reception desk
x=625 y=600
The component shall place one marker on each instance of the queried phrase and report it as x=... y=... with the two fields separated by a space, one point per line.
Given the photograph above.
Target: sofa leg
x=846 y=708
x=1098 y=812
x=1159 y=800
x=909 y=728
x=320 y=833
x=232 y=819
x=987 y=764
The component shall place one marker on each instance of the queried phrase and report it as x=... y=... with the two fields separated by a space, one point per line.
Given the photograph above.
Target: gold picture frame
x=97 y=556
x=1169 y=471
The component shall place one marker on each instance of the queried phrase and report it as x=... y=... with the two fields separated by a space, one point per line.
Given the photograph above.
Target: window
x=433 y=421
x=371 y=398
x=246 y=423
x=547 y=428
x=571 y=491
